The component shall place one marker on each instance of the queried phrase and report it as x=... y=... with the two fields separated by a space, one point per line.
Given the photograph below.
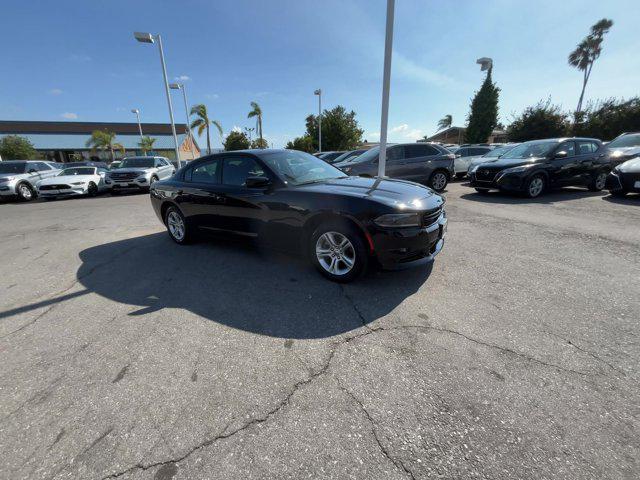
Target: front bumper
x=8 y=189
x=66 y=192
x=403 y=245
x=629 y=182
x=513 y=182
x=136 y=183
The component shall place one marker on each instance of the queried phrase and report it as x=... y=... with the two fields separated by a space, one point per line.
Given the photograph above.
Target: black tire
x=482 y=191
x=92 y=190
x=355 y=250
x=438 y=180
x=460 y=175
x=25 y=192
x=187 y=235
x=598 y=182
x=535 y=186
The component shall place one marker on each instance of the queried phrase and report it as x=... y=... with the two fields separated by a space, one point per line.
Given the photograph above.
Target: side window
x=157 y=163
x=164 y=162
x=478 y=151
x=395 y=153
x=585 y=148
x=568 y=147
x=462 y=152
x=207 y=172
x=236 y=170
x=418 y=150
x=42 y=167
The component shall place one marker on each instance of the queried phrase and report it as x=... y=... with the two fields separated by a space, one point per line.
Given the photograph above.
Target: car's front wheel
x=92 y=190
x=177 y=226
x=338 y=252
x=598 y=182
x=25 y=192
x=438 y=180
x=535 y=186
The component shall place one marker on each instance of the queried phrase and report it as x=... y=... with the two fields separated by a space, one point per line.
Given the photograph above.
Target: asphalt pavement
x=514 y=355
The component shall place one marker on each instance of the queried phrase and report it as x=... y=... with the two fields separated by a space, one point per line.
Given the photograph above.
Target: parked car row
x=28 y=179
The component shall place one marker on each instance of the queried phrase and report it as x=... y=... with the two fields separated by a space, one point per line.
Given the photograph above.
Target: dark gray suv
x=425 y=163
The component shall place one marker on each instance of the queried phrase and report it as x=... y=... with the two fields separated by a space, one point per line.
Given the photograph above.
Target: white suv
x=139 y=173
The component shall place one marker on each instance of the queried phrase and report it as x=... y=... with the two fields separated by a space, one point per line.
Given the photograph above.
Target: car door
x=199 y=194
x=169 y=168
x=563 y=169
x=587 y=161
x=396 y=162
x=241 y=211
x=419 y=162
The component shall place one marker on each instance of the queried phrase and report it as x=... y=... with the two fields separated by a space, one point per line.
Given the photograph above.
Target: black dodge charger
x=536 y=166
x=296 y=202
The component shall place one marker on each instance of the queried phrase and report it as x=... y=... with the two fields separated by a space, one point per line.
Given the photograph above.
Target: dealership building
x=67 y=141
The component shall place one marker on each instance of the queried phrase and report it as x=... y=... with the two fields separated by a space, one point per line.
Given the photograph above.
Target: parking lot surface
x=515 y=355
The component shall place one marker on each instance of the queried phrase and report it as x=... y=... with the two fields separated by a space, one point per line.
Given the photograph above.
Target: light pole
x=318 y=92
x=249 y=130
x=137 y=112
x=386 y=80
x=485 y=63
x=183 y=87
x=144 y=37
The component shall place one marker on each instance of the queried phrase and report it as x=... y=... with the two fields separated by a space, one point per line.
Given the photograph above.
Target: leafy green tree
x=146 y=144
x=542 y=120
x=304 y=144
x=256 y=112
x=483 y=116
x=14 y=147
x=236 y=141
x=340 y=129
x=587 y=52
x=203 y=122
x=445 y=122
x=104 y=140
x=259 y=143
x=608 y=119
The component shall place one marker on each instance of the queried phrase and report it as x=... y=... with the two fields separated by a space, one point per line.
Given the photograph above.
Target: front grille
x=431 y=216
x=55 y=187
x=629 y=180
x=485 y=175
x=124 y=176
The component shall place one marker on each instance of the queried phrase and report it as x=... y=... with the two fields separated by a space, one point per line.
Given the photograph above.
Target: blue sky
x=79 y=60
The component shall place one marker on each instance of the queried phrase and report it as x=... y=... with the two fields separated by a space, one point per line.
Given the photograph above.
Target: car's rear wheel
x=92 y=189
x=438 y=180
x=177 y=226
x=338 y=252
x=25 y=192
x=535 y=186
x=598 y=182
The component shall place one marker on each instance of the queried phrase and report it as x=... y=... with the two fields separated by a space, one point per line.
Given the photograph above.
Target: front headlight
x=520 y=169
x=78 y=183
x=398 y=220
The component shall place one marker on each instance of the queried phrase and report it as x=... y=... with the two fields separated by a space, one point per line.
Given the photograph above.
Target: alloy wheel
x=601 y=179
x=335 y=253
x=175 y=225
x=535 y=186
x=25 y=192
x=439 y=181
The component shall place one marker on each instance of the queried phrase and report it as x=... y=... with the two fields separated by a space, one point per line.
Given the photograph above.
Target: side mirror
x=561 y=154
x=257 y=182
x=32 y=171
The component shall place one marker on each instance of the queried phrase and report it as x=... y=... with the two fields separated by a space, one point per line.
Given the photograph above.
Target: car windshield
x=77 y=171
x=625 y=141
x=137 y=162
x=497 y=152
x=370 y=155
x=13 y=167
x=298 y=168
x=532 y=149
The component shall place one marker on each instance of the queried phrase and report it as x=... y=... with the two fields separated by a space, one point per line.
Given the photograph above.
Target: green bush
x=236 y=141
x=608 y=119
x=540 y=121
x=304 y=144
x=14 y=147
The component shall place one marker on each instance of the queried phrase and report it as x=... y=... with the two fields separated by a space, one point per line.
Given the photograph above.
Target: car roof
x=564 y=139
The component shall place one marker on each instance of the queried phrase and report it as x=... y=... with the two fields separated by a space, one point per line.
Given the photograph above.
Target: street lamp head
x=485 y=63
x=317 y=92
x=143 y=37
x=135 y=110
x=175 y=86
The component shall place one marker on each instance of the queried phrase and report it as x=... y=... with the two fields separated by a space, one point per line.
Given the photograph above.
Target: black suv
x=535 y=166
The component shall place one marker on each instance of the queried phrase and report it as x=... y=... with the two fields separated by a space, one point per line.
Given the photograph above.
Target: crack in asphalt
x=396 y=462
x=31 y=322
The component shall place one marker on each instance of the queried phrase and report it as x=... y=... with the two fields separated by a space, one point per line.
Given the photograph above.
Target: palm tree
x=257 y=112
x=203 y=122
x=104 y=140
x=587 y=52
x=445 y=122
x=146 y=144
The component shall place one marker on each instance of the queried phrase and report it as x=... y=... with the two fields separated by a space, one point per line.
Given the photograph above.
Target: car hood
x=630 y=166
x=391 y=192
x=514 y=162
x=623 y=152
x=141 y=171
x=67 y=179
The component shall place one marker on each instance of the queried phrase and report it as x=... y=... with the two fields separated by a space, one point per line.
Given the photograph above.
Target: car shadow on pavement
x=241 y=285
x=553 y=196
x=629 y=199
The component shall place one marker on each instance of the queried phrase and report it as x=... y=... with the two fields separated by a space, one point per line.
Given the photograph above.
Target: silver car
x=20 y=178
x=139 y=173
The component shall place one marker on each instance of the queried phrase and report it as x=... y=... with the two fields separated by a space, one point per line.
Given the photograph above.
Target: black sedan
x=535 y=166
x=299 y=203
x=625 y=178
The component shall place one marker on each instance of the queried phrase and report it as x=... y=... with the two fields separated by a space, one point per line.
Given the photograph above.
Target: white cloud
x=211 y=96
x=400 y=128
x=414 y=134
x=182 y=78
x=55 y=91
x=69 y=115
x=236 y=128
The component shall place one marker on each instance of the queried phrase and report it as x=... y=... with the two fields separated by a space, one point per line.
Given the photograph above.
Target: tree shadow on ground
x=240 y=285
